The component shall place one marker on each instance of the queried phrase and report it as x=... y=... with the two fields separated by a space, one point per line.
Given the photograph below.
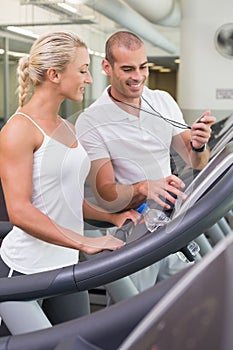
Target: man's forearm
x=118 y=197
x=199 y=159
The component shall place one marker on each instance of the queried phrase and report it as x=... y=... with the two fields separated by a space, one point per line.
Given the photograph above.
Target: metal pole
x=6 y=79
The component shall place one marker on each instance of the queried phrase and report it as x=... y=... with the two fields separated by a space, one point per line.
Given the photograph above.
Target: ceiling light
x=22 y=31
x=165 y=70
x=17 y=54
x=67 y=7
x=96 y=53
x=77 y=2
x=156 y=67
x=13 y=53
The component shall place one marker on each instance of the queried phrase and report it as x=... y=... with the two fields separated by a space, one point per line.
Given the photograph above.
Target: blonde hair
x=55 y=49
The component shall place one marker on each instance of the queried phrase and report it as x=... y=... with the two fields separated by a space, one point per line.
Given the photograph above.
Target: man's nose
x=137 y=75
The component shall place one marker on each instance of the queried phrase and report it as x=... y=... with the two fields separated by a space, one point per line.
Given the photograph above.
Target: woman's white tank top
x=59 y=173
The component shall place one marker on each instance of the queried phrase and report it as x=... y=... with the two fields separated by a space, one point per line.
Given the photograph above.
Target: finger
x=201 y=138
x=134 y=215
x=160 y=201
x=202 y=117
x=129 y=215
x=201 y=134
x=199 y=127
x=173 y=180
x=113 y=243
x=176 y=184
x=106 y=242
x=177 y=193
x=204 y=123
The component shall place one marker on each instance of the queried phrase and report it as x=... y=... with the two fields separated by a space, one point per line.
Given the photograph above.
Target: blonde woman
x=43 y=165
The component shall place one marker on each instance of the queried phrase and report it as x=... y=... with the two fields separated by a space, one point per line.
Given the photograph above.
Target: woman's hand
x=118 y=219
x=109 y=242
x=98 y=244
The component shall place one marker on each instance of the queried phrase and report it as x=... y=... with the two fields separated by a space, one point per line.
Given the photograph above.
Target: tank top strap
x=27 y=116
x=69 y=127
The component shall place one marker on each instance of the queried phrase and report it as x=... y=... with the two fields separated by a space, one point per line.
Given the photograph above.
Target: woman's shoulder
x=18 y=131
x=17 y=123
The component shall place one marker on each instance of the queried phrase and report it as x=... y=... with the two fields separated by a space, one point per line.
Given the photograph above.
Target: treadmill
x=140 y=322
x=196 y=313
x=207 y=203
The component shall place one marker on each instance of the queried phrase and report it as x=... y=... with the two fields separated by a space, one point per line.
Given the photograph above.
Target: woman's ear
x=54 y=75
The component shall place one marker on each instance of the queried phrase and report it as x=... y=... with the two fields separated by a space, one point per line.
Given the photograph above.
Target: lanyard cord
x=154 y=113
x=170 y=121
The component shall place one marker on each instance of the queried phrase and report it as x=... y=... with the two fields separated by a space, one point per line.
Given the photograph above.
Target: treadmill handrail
x=105 y=267
x=227 y=137
x=166 y=240
x=220 y=162
x=5 y=227
x=91 y=326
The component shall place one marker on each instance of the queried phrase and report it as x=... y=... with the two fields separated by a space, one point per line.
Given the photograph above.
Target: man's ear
x=106 y=66
x=54 y=75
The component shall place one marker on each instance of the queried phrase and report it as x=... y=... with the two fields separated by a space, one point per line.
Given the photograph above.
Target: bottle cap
x=142 y=208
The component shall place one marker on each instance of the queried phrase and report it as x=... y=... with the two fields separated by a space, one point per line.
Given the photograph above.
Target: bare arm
x=18 y=141
x=114 y=196
x=199 y=135
x=117 y=219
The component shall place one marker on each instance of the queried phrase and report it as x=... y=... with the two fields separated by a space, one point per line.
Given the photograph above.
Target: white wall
x=203 y=70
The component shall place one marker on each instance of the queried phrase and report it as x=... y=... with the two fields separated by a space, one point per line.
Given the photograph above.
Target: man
x=128 y=133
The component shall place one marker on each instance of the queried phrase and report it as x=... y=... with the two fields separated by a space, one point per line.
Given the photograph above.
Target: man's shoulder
x=155 y=93
x=91 y=108
x=94 y=113
x=158 y=97
x=97 y=105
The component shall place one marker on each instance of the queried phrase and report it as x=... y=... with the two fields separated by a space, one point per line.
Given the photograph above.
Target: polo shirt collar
x=115 y=116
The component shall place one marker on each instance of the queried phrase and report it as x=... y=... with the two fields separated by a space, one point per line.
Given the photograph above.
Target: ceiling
x=155 y=21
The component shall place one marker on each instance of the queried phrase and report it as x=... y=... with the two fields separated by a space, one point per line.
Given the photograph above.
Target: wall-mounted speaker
x=224 y=40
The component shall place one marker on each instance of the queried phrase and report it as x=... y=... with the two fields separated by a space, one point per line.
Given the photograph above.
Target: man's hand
x=155 y=189
x=201 y=130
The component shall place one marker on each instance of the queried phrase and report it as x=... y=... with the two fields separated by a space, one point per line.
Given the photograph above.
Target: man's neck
x=131 y=107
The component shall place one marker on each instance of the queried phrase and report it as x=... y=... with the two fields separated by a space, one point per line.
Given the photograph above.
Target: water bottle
x=189 y=252
x=153 y=218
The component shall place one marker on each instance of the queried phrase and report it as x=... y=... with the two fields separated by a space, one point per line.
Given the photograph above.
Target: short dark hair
x=122 y=38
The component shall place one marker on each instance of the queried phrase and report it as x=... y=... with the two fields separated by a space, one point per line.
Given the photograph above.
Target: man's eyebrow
x=133 y=66
x=143 y=64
